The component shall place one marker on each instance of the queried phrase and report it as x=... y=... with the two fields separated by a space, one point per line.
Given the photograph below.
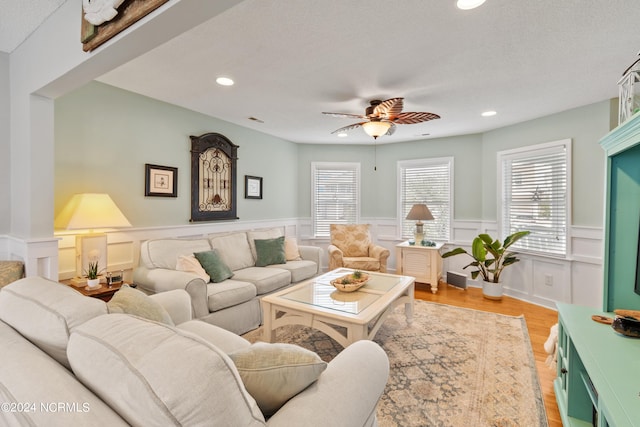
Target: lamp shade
x=89 y=211
x=419 y=212
x=376 y=129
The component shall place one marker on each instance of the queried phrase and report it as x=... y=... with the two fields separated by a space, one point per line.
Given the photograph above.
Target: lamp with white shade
x=89 y=212
x=418 y=213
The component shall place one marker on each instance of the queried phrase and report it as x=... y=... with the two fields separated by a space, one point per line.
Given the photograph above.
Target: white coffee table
x=345 y=317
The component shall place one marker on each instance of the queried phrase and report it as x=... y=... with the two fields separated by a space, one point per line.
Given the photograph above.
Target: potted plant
x=490 y=268
x=92 y=272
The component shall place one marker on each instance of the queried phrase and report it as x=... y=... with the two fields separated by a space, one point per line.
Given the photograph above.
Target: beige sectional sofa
x=233 y=304
x=64 y=361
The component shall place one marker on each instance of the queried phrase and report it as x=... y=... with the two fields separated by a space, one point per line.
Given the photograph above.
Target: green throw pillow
x=132 y=301
x=270 y=251
x=214 y=265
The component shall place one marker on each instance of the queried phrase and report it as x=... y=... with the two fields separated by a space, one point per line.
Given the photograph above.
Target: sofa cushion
x=47 y=312
x=229 y=293
x=361 y=263
x=274 y=373
x=300 y=270
x=201 y=388
x=291 y=250
x=268 y=233
x=214 y=265
x=225 y=340
x=270 y=251
x=132 y=301
x=264 y=279
x=190 y=264
x=164 y=253
x=28 y=376
x=234 y=250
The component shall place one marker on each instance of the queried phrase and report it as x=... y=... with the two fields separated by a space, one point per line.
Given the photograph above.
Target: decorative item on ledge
x=629 y=92
x=350 y=282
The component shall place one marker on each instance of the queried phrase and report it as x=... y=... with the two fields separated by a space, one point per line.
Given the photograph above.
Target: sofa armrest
x=156 y=280
x=177 y=303
x=311 y=253
x=335 y=257
x=381 y=253
x=346 y=394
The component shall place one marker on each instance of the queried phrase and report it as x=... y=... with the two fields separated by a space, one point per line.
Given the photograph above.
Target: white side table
x=422 y=262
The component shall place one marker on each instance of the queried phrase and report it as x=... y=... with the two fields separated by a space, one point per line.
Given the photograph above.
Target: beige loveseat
x=65 y=362
x=234 y=303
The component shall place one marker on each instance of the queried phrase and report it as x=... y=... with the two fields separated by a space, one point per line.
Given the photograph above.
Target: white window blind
x=536 y=196
x=428 y=181
x=335 y=195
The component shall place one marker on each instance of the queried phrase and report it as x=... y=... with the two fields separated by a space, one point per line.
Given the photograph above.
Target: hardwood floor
x=538 y=319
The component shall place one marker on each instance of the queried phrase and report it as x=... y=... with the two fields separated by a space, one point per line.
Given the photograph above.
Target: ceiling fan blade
x=343 y=115
x=348 y=128
x=389 y=109
x=411 y=118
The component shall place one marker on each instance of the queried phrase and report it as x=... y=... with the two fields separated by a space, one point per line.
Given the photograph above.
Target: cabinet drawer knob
x=563 y=370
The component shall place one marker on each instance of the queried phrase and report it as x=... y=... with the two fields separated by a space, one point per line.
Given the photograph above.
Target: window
x=335 y=195
x=535 y=193
x=428 y=181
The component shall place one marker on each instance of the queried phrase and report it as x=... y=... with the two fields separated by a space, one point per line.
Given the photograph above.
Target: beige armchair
x=351 y=246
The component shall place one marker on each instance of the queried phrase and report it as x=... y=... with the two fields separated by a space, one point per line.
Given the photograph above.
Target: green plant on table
x=483 y=245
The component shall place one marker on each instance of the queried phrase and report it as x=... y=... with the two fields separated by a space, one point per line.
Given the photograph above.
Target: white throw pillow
x=291 y=251
x=132 y=301
x=274 y=373
x=190 y=264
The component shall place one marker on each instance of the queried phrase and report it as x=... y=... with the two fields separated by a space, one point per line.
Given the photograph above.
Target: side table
x=104 y=292
x=422 y=262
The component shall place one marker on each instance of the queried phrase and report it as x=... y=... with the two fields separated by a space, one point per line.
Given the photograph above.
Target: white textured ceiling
x=294 y=59
x=18 y=19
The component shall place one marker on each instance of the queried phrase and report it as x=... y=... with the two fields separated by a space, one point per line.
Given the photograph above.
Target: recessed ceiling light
x=342 y=135
x=224 y=81
x=469 y=4
x=489 y=113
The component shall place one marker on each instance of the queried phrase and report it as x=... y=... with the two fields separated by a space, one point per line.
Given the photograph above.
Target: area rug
x=451 y=367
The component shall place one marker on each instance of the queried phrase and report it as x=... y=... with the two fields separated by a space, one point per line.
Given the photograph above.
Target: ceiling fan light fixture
x=376 y=128
x=469 y=4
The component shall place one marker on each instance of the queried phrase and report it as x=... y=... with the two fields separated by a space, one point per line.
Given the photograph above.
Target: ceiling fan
x=382 y=118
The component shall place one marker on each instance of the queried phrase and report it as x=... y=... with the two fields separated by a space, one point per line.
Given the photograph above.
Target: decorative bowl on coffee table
x=350 y=282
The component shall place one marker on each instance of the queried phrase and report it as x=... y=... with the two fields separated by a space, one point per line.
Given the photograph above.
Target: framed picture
x=160 y=181
x=252 y=187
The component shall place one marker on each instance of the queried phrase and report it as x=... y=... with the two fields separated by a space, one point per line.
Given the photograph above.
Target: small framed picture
x=160 y=181
x=252 y=187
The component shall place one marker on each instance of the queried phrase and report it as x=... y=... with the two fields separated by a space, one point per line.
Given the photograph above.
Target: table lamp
x=90 y=212
x=418 y=213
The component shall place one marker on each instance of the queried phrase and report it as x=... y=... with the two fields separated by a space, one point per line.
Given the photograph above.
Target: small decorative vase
x=93 y=283
x=492 y=290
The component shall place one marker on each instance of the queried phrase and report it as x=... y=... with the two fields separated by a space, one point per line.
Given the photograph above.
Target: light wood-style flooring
x=538 y=319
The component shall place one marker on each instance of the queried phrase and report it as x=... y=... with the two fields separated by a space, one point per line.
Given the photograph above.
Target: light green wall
x=104 y=136
x=584 y=126
x=379 y=187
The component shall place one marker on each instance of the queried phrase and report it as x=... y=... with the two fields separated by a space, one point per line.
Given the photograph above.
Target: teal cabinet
x=598 y=381
x=622 y=215
x=598 y=378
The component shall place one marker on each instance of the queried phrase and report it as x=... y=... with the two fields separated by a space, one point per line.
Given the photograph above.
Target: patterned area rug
x=451 y=367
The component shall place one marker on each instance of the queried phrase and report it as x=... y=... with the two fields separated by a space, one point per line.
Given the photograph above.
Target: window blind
x=336 y=195
x=427 y=181
x=535 y=197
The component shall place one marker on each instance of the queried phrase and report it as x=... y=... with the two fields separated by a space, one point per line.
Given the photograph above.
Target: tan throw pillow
x=132 y=301
x=291 y=251
x=190 y=264
x=274 y=373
